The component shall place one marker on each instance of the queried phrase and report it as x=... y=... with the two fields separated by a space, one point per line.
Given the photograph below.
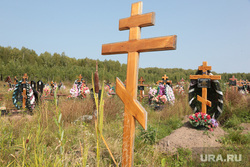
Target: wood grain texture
x=212 y=77
x=131 y=104
x=144 y=20
x=142 y=45
x=24 y=98
x=133 y=110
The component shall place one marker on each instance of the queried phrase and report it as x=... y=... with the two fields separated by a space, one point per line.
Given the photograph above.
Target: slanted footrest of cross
x=203 y=100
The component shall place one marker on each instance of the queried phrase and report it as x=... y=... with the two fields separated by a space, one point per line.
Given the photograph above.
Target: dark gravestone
x=40 y=86
x=33 y=84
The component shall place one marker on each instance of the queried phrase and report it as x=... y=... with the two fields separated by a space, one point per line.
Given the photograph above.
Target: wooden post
x=24 y=93
x=234 y=87
x=141 y=87
x=79 y=78
x=204 y=75
x=133 y=110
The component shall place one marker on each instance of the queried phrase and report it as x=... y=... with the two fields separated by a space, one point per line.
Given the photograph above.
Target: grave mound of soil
x=191 y=138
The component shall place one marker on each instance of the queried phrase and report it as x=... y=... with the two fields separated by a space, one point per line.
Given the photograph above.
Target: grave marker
x=24 y=91
x=204 y=79
x=79 y=78
x=141 y=88
x=166 y=80
x=233 y=83
x=133 y=110
x=40 y=86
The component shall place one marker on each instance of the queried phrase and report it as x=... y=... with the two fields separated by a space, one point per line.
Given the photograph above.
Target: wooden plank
x=131 y=104
x=144 y=20
x=213 y=77
x=204 y=67
x=142 y=45
x=24 y=98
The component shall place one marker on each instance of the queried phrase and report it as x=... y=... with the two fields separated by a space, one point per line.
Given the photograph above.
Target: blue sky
x=217 y=31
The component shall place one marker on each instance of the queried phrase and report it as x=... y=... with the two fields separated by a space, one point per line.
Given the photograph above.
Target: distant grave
x=23 y=95
x=205 y=94
x=141 y=86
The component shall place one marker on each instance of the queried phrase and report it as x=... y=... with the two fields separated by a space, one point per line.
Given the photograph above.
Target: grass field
x=57 y=136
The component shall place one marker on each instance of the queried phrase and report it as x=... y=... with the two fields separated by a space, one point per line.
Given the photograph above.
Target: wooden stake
x=24 y=93
x=135 y=45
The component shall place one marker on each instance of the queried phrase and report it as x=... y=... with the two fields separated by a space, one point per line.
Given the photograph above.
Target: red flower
x=190 y=117
x=199 y=119
x=27 y=141
x=205 y=120
x=196 y=121
x=208 y=117
x=202 y=117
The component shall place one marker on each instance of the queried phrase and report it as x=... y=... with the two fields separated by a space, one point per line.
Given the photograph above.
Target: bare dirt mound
x=246 y=128
x=188 y=137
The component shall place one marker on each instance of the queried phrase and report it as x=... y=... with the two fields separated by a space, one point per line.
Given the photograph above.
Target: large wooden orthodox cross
x=133 y=110
x=203 y=99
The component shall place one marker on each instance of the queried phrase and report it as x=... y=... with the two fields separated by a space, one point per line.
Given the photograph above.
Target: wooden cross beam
x=141 y=80
x=80 y=78
x=204 y=75
x=164 y=77
x=160 y=81
x=133 y=110
x=25 y=77
x=233 y=78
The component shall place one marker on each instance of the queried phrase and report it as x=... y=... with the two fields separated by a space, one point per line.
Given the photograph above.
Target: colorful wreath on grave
x=18 y=98
x=79 y=89
x=214 y=94
x=169 y=94
x=161 y=95
x=110 y=90
x=203 y=121
x=47 y=90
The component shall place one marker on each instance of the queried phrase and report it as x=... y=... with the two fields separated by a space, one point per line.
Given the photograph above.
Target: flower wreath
x=169 y=94
x=214 y=94
x=18 y=98
x=79 y=89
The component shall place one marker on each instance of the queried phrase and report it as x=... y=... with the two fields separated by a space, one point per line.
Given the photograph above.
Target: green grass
x=53 y=137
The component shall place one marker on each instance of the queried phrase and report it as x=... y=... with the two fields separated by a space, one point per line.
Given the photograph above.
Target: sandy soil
x=188 y=137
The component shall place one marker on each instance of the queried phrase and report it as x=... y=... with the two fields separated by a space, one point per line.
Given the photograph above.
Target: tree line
x=59 y=67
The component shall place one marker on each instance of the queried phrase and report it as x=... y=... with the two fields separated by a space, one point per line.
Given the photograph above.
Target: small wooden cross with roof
x=133 y=110
x=204 y=75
